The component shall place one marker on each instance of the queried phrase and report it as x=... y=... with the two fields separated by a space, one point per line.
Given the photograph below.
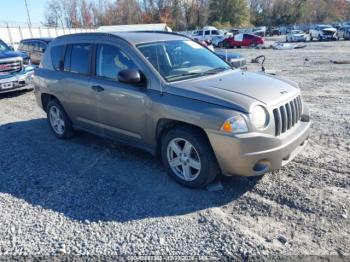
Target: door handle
x=97 y=88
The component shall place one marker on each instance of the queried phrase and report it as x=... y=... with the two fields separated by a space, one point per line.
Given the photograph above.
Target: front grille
x=11 y=66
x=328 y=33
x=287 y=115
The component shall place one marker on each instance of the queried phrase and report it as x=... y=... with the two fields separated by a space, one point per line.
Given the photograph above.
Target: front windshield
x=182 y=59
x=3 y=46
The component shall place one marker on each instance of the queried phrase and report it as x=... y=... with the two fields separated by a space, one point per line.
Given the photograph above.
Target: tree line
x=192 y=14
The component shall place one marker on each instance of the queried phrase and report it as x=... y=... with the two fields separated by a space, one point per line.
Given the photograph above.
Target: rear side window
x=207 y=32
x=39 y=46
x=80 y=58
x=57 y=53
x=30 y=45
x=23 y=46
x=20 y=47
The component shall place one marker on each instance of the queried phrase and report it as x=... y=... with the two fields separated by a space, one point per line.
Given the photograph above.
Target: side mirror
x=130 y=76
x=11 y=48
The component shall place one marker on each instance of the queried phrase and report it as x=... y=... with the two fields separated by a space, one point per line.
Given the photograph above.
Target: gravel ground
x=92 y=196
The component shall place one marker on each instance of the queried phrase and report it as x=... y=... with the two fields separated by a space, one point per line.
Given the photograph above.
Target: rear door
x=74 y=86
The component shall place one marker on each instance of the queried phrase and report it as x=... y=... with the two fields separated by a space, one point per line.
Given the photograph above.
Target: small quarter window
x=57 y=53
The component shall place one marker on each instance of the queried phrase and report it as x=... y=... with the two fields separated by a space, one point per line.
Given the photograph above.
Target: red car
x=243 y=40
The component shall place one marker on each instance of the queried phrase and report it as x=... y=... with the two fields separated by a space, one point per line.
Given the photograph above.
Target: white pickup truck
x=323 y=32
x=206 y=34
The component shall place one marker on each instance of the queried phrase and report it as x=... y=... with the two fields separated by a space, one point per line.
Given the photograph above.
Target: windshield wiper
x=209 y=72
x=216 y=70
x=185 y=74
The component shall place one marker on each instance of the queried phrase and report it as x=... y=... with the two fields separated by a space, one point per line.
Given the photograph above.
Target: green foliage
x=234 y=12
x=225 y=25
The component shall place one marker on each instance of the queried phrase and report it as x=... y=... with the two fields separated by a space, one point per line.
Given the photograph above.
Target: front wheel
x=188 y=157
x=58 y=120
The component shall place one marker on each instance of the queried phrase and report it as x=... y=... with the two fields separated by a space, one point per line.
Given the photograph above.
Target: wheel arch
x=165 y=124
x=46 y=98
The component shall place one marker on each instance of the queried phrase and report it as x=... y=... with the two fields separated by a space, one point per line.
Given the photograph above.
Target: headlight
x=260 y=117
x=235 y=125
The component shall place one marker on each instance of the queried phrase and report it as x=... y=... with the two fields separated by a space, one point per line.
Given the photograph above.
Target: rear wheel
x=221 y=45
x=188 y=157
x=58 y=120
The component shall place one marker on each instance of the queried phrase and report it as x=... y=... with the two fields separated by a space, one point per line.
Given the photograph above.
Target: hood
x=237 y=89
x=229 y=55
x=10 y=54
x=298 y=35
x=330 y=29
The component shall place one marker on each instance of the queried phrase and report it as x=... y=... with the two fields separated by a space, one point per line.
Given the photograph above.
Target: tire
x=59 y=121
x=221 y=45
x=227 y=45
x=189 y=150
x=311 y=38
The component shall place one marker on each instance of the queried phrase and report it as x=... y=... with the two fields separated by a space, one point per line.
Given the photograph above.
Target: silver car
x=168 y=95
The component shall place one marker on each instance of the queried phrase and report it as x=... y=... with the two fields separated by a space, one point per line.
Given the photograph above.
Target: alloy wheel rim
x=56 y=120
x=183 y=159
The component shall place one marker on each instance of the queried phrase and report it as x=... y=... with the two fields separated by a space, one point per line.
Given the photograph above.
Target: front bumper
x=254 y=154
x=19 y=81
x=329 y=37
x=299 y=39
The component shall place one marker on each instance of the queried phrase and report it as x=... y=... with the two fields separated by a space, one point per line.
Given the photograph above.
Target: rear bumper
x=254 y=154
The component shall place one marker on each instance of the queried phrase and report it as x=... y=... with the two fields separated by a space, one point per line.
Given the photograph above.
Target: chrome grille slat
x=284 y=118
x=300 y=106
x=277 y=116
x=298 y=109
x=287 y=115
x=11 y=66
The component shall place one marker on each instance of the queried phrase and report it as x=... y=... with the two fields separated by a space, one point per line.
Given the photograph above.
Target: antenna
x=29 y=21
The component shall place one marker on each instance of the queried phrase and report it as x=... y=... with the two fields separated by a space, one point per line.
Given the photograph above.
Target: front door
x=122 y=108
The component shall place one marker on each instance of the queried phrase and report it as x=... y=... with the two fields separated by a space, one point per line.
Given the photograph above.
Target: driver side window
x=110 y=60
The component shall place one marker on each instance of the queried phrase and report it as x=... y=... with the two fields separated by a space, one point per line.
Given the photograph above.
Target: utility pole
x=29 y=21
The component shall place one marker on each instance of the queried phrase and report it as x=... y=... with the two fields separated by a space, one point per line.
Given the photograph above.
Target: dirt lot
x=92 y=196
